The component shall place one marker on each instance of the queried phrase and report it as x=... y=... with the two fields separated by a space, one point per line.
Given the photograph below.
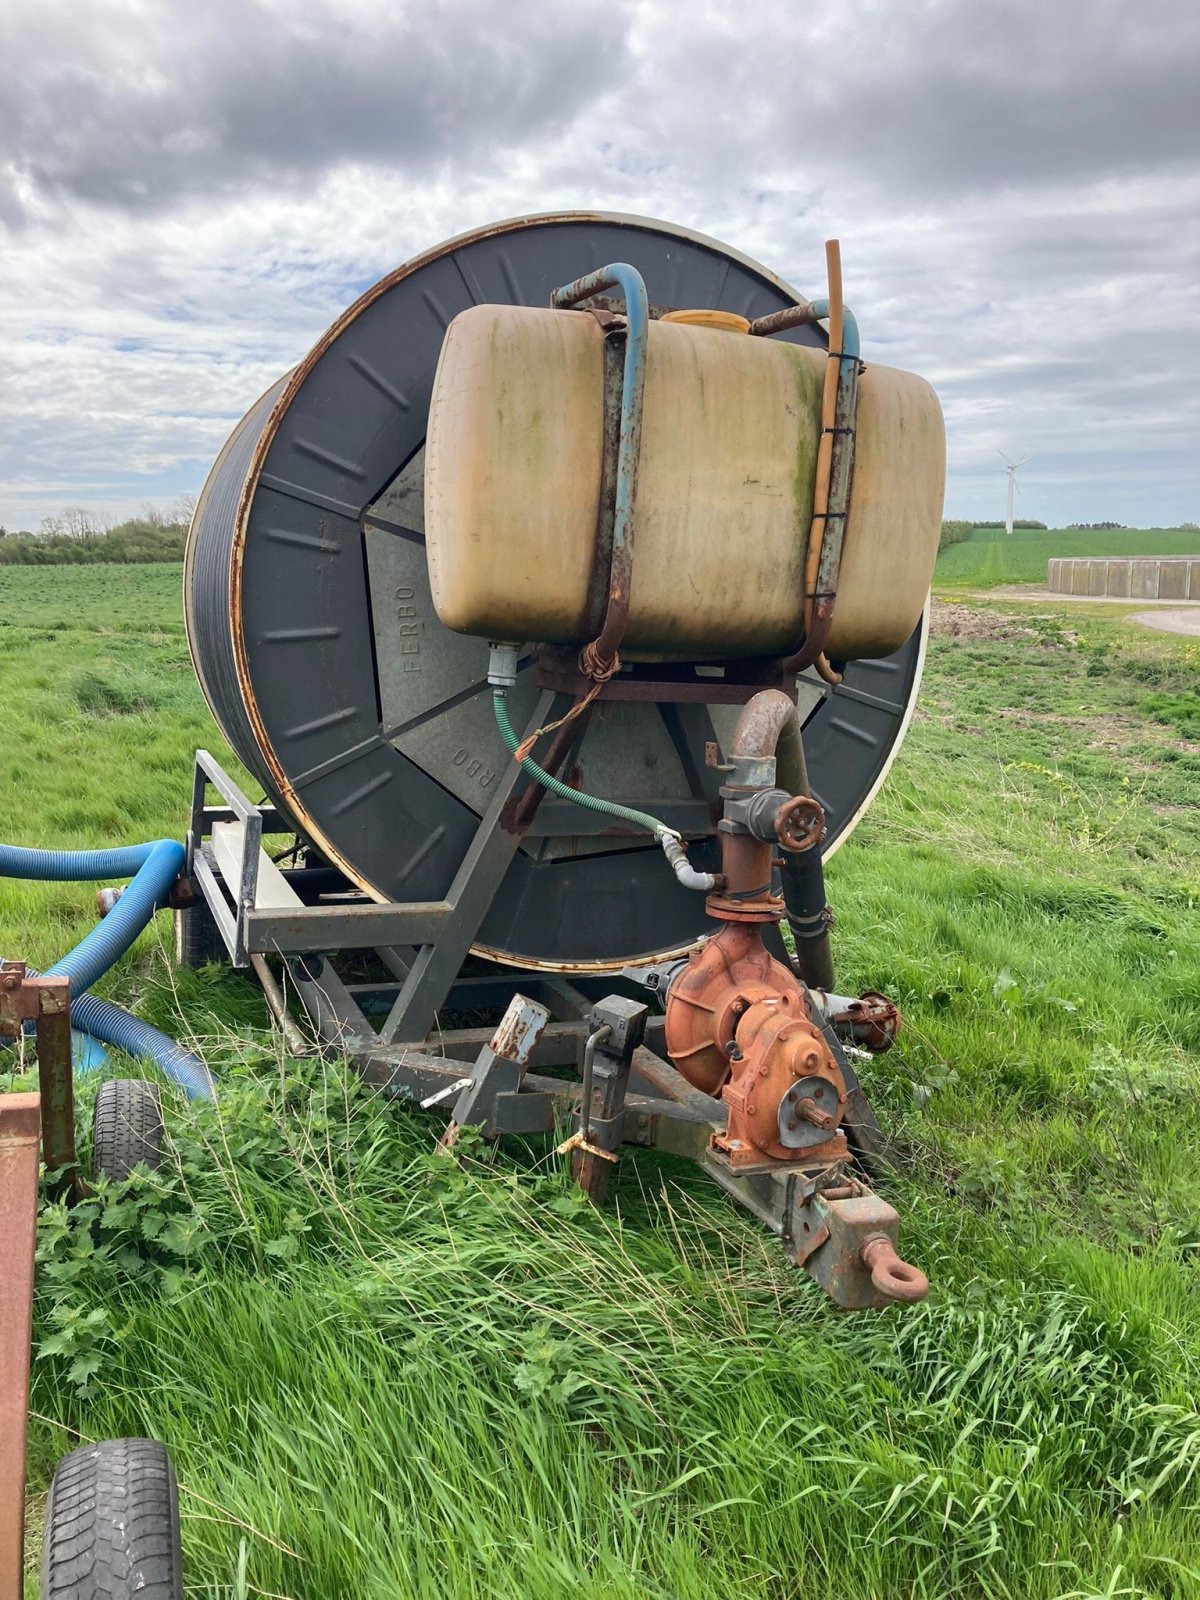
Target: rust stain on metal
x=872 y=1021
x=858 y=1266
x=746 y=892
x=800 y=823
x=654 y=688
x=601 y=571
x=758 y=728
x=895 y=1279
x=19 y=1130
x=781 y=321
x=521 y=810
x=519 y=1029
x=46 y=1002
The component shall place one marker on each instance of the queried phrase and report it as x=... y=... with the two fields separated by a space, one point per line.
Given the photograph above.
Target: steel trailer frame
x=501 y=1079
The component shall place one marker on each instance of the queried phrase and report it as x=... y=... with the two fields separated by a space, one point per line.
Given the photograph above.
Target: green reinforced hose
x=667 y=837
x=590 y=802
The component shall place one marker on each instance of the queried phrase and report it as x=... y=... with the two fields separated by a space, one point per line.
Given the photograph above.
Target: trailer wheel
x=127 y=1128
x=197 y=938
x=112 y=1525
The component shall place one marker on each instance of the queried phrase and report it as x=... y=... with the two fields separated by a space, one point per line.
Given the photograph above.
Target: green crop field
x=382 y=1375
x=990 y=556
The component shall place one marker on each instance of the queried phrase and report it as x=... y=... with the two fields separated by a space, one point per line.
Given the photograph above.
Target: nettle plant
x=246 y=1183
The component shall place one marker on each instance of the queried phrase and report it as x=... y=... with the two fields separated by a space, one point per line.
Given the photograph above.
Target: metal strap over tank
x=835 y=467
x=599 y=659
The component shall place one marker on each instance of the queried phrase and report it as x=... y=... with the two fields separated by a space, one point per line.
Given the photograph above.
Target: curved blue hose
x=851 y=342
x=88 y=1054
x=109 y=1023
x=72 y=866
x=155 y=867
x=113 y=936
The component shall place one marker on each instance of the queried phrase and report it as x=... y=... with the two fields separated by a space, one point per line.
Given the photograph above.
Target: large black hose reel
x=367 y=722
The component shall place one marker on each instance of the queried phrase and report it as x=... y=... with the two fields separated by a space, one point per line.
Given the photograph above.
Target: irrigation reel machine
x=567 y=603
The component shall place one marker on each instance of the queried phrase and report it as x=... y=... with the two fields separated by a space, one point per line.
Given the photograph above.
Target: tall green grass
x=381 y=1375
x=989 y=556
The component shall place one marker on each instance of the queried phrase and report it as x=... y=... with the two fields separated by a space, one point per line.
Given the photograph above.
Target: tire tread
x=127 y=1128
x=112 y=1525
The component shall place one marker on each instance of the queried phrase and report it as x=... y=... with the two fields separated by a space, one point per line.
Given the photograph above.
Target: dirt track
x=1032 y=591
x=1185 y=620
x=1165 y=616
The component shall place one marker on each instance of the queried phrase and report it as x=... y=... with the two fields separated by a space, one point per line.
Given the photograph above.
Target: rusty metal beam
x=57 y=1084
x=20 y=1124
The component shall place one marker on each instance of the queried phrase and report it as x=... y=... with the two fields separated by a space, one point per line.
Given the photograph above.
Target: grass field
x=990 y=557
x=382 y=1377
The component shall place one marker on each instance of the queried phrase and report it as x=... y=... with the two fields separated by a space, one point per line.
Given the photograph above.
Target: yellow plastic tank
x=730 y=428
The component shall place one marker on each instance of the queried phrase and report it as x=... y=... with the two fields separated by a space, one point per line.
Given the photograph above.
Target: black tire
x=197 y=938
x=127 y=1128
x=112 y=1525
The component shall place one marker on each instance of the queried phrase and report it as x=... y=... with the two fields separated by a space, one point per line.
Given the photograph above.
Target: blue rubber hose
x=87 y=1054
x=113 y=936
x=72 y=866
x=155 y=867
x=114 y=1026
x=111 y=1025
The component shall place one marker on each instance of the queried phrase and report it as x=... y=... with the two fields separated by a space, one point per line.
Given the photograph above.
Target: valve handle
x=894 y=1278
x=800 y=823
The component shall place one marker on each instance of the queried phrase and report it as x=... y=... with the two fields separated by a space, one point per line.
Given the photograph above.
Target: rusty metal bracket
x=616 y=1027
x=497 y=1074
x=840 y=1231
x=839 y=432
x=857 y=1265
x=46 y=1003
x=720 y=683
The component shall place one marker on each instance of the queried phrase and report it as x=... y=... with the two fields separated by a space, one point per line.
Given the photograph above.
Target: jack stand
x=495 y=1081
x=615 y=1030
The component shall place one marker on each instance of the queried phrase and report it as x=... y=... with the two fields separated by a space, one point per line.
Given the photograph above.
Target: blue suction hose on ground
x=153 y=868
x=87 y=1054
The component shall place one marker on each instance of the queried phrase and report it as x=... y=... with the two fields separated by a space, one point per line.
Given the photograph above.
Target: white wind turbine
x=1011 y=470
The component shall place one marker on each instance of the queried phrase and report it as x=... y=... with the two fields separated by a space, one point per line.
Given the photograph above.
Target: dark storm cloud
x=138 y=105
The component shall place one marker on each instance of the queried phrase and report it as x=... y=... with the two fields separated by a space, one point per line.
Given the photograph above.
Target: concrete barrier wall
x=1130 y=577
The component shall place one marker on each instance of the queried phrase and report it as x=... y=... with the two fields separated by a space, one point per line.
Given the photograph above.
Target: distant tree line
x=79 y=537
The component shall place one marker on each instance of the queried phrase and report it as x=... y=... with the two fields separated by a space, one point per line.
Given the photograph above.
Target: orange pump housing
x=737 y=1024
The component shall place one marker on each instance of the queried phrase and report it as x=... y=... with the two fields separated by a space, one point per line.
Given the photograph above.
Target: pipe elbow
x=760 y=723
x=688 y=876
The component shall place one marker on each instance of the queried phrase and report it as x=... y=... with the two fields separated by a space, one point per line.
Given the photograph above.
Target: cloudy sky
x=189 y=194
